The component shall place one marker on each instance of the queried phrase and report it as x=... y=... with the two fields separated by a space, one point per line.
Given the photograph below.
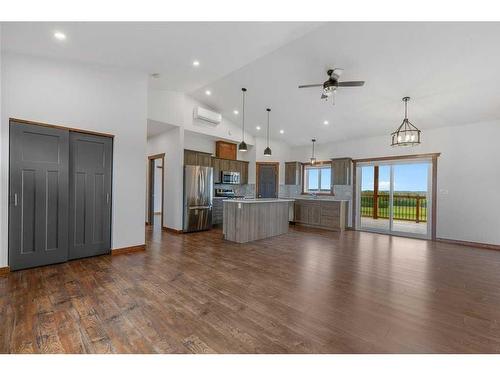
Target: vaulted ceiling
x=448 y=69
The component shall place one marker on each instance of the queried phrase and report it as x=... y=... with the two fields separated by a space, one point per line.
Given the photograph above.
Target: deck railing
x=406 y=206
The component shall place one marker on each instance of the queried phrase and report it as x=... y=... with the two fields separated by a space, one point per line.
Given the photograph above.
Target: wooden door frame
x=433 y=157
x=151 y=163
x=257 y=170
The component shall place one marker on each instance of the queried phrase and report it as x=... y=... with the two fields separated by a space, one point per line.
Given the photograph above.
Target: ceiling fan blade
x=351 y=83
x=306 y=86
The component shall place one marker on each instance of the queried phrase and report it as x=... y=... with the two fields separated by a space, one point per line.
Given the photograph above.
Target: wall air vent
x=207 y=115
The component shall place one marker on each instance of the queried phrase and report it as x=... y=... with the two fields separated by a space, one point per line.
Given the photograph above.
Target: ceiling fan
x=332 y=83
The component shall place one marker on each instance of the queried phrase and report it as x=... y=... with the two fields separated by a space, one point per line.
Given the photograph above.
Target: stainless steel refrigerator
x=198 y=194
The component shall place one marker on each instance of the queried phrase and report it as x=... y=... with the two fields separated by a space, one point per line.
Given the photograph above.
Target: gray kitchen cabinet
x=324 y=214
x=244 y=172
x=217 y=210
x=228 y=165
x=293 y=173
x=217 y=170
x=341 y=171
x=192 y=157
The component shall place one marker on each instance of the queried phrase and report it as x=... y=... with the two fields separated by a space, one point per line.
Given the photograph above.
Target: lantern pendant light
x=313 y=159
x=406 y=134
x=243 y=146
x=267 y=151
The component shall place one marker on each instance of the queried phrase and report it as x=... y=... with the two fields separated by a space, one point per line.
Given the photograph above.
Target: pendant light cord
x=243 y=114
x=268 y=113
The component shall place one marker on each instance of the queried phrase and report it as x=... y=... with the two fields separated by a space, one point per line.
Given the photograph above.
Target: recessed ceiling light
x=325 y=122
x=236 y=112
x=257 y=127
x=196 y=63
x=208 y=92
x=59 y=35
x=282 y=131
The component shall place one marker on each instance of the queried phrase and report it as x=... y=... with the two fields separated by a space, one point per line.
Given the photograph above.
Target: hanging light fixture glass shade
x=243 y=146
x=267 y=151
x=406 y=134
x=313 y=159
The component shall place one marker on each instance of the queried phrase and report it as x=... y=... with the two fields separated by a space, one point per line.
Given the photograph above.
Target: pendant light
x=243 y=146
x=406 y=134
x=267 y=151
x=313 y=159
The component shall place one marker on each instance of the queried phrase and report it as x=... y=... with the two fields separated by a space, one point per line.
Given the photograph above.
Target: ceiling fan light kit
x=406 y=134
x=243 y=146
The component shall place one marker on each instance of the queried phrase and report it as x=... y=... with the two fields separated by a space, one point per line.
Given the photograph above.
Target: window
x=318 y=179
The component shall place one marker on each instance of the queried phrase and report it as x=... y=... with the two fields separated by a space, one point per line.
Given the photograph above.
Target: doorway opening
x=396 y=196
x=267 y=179
x=156 y=183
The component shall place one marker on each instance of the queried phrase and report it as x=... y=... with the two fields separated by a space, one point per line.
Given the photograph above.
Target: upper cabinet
x=203 y=159
x=225 y=150
x=293 y=173
x=226 y=165
x=341 y=171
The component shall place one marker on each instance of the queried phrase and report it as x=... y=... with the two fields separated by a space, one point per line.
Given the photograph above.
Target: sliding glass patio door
x=395 y=197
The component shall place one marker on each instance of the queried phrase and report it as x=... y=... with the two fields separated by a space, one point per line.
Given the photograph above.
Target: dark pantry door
x=268 y=180
x=90 y=195
x=38 y=195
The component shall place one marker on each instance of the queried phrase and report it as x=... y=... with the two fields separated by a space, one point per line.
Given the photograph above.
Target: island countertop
x=258 y=200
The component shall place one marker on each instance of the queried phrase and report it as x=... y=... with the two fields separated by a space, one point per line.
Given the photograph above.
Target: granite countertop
x=259 y=200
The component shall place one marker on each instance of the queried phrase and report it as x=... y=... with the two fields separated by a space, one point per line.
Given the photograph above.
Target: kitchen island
x=246 y=220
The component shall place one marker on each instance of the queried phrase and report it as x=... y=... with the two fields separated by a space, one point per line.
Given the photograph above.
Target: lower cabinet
x=217 y=210
x=321 y=213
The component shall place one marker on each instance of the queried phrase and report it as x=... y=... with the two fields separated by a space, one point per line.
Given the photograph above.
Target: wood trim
x=257 y=168
x=318 y=163
x=156 y=156
x=434 y=198
x=479 y=245
x=4 y=270
x=69 y=128
x=151 y=160
x=172 y=230
x=398 y=157
x=129 y=249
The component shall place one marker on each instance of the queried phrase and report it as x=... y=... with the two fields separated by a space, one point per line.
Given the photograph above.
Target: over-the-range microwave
x=230 y=177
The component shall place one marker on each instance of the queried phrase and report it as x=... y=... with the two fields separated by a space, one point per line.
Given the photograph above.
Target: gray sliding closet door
x=90 y=195
x=38 y=195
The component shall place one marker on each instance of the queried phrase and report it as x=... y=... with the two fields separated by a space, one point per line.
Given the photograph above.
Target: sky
x=407 y=177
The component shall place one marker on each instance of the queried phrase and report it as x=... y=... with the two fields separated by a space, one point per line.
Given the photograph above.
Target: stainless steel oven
x=230 y=177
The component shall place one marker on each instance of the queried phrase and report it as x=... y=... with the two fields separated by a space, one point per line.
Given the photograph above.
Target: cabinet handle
x=107 y=198
x=15 y=200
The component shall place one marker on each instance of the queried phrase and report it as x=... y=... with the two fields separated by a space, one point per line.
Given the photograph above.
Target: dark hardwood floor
x=308 y=291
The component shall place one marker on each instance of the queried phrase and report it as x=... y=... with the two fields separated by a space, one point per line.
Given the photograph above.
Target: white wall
x=172 y=144
x=88 y=97
x=468 y=178
x=199 y=142
x=176 y=108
